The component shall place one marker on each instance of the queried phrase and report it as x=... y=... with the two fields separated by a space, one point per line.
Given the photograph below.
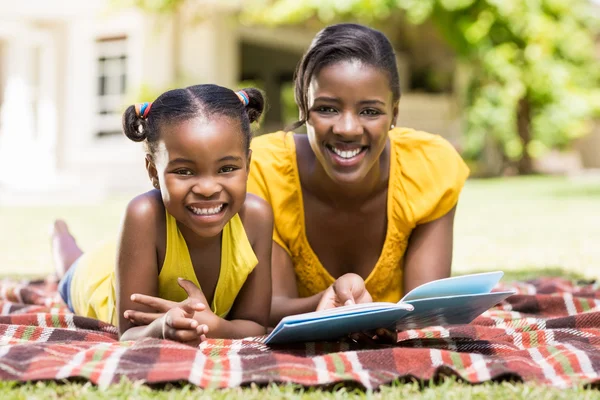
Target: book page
x=456 y=286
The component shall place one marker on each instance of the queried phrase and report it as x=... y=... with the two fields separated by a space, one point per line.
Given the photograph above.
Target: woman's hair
x=179 y=105
x=344 y=42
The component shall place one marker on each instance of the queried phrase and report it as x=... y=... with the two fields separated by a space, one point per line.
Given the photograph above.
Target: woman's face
x=350 y=111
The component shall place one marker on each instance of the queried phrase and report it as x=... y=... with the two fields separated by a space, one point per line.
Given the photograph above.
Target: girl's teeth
x=346 y=154
x=207 y=211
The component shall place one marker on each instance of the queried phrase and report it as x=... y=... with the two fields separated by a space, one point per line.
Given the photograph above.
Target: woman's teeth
x=206 y=211
x=346 y=153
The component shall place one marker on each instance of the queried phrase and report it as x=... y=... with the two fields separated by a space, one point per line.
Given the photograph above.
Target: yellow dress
x=92 y=290
x=426 y=177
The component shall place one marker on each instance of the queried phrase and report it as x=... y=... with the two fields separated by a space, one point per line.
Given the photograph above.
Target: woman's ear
x=395 y=114
x=152 y=171
x=248 y=160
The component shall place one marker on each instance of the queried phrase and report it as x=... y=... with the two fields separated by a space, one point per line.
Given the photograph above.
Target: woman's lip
x=347 y=162
x=346 y=146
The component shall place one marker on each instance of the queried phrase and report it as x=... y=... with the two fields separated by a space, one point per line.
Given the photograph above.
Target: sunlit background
x=513 y=84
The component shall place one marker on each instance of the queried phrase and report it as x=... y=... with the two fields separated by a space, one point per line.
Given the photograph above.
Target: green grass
x=448 y=389
x=527 y=227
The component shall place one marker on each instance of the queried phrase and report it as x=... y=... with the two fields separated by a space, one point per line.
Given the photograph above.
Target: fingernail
x=349 y=302
x=133 y=297
x=126 y=315
x=194 y=324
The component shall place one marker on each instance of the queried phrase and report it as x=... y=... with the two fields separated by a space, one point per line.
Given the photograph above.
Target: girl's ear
x=152 y=172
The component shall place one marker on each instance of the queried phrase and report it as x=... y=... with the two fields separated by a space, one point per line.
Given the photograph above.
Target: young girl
x=196 y=229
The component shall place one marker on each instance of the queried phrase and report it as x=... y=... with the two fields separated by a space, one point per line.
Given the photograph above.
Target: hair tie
x=142 y=110
x=243 y=97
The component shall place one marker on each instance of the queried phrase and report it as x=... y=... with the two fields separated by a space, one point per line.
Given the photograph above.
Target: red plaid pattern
x=548 y=333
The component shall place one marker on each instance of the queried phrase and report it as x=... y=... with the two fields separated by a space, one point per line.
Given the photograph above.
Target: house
x=68 y=69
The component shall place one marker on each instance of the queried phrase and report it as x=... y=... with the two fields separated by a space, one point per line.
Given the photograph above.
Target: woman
x=363 y=211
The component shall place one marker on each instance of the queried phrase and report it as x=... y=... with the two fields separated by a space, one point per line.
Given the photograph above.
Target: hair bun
x=256 y=103
x=134 y=127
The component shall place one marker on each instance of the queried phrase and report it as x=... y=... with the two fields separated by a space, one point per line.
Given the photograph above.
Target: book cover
x=450 y=301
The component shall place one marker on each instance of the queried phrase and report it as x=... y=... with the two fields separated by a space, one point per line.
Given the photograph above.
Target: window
x=112 y=84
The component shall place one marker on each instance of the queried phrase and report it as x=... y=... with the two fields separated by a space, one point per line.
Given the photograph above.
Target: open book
x=455 y=300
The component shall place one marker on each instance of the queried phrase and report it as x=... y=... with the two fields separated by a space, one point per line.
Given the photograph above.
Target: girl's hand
x=195 y=298
x=179 y=325
x=347 y=289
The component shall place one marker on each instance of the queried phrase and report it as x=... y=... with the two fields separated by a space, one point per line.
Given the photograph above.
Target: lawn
x=525 y=226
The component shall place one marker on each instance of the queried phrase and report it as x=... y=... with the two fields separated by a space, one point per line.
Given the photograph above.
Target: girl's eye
x=185 y=172
x=325 y=109
x=371 y=111
x=227 y=169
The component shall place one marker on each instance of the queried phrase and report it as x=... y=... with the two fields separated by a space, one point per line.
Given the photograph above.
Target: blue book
x=450 y=301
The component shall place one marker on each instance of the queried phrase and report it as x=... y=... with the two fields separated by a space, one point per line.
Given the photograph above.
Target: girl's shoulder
x=146 y=210
x=257 y=217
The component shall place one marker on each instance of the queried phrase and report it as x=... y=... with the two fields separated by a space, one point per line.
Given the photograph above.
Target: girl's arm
x=137 y=266
x=249 y=315
x=429 y=253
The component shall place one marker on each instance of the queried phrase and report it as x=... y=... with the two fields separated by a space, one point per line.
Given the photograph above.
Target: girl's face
x=350 y=111
x=202 y=168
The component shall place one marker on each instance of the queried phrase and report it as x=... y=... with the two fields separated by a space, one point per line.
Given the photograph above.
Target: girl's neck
x=196 y=242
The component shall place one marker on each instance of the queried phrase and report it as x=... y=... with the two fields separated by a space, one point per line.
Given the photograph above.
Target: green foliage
x=538 y=50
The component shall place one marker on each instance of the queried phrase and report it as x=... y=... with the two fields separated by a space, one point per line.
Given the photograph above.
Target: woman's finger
x=156 y=303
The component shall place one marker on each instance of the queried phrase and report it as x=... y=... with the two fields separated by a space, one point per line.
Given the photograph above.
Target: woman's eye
x=371 y=111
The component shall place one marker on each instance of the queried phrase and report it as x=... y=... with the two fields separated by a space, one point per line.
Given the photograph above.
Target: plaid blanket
x=549 y=332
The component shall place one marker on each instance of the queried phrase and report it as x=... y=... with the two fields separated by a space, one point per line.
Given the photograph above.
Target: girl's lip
x=208 y=217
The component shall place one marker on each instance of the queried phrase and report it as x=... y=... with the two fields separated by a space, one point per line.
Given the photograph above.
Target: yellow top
x=426 y=177
x=93 y=285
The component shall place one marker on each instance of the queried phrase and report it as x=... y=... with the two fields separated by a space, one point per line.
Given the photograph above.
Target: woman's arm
x=429 y=253
x=285 y=292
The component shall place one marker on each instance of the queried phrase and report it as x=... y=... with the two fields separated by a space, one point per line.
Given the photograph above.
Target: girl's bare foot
x=64 y=248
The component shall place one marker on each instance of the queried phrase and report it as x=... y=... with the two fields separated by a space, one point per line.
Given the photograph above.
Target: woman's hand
x=347 y=289
x=196 y=300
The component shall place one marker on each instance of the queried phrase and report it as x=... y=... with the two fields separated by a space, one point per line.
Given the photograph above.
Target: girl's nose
x=206 y=187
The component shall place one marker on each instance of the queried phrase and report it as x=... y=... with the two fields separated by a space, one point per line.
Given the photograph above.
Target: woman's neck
x=340 y=195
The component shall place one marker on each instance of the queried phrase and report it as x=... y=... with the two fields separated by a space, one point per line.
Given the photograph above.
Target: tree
x=534 y=79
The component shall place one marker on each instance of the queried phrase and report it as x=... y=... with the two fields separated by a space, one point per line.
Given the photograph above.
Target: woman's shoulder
x=273 y=166
x=272 y=147
x=408 y=139
x=257 y=217
x=428 y=170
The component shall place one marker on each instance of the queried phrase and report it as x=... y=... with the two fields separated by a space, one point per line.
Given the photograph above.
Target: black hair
x=344 y=42
x=178 y=105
